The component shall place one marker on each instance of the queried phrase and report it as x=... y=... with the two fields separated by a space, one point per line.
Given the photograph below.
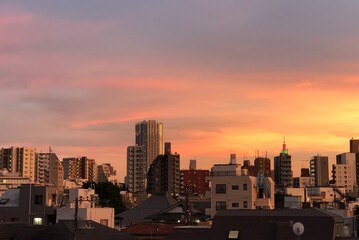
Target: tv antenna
x=298 y=229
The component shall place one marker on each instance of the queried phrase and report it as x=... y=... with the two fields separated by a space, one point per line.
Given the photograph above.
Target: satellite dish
x=298 y=228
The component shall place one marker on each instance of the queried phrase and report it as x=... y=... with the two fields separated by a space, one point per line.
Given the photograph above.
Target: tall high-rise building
x=319 y=170
x=80 y=168
x=164 y=173
x=136 y=170
x=149 y=134
x=20 y=160
x=283 y=174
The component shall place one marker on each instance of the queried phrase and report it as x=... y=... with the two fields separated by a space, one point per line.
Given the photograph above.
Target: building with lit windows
x=164 y=173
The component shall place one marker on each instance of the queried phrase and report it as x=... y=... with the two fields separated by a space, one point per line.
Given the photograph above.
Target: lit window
x=37 y=221
x=233 y=234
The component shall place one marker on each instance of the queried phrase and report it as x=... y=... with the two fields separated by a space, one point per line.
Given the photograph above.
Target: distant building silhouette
x=80 y=168
x=164 y=173
x=283 y=175
x=345 y=171
x=136 y=169
x=149 y=134
x=304 y=172
x=49 y=169
x=192 y=164
x=19 y=160
x=106 y=173
x=262 y=166
x=193 y=182
x=354 y=145
x=319 y=170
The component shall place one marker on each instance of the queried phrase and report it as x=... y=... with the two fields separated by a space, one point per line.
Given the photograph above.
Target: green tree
x=109 y=195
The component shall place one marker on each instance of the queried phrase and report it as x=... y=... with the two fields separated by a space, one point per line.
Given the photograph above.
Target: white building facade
x=232 y=188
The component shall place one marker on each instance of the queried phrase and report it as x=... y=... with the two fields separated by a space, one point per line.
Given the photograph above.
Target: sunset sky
x=222 y=76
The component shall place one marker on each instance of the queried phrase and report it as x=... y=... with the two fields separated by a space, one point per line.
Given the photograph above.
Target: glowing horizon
x=229 y=77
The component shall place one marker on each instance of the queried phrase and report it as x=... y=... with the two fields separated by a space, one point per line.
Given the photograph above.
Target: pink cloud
x=15 y=19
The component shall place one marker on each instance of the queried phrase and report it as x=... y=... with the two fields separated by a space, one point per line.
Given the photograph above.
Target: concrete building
x=319 y=170
x=354 y=145
x=192 y=164
x=194 y=183
x=30 y=204
x=304 y=172
x=136 y=170
x=149 y=134
x=10 y=180
x=283 y=174
x=106 y=173
x=262 y=166
x=343 y=175
x=49 y=170
x=80 y=168
x=301 y=182
x=19 y=160
x=232 y=188
x=87 y=208
x=323 y=196
x=164 y=173
x=344 y=172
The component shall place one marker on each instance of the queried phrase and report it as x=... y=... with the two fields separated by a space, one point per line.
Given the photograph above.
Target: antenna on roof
x=298 y=229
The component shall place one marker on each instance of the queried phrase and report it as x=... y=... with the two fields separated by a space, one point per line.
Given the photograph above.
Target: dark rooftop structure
x=87 y=230
x=154 y=230
x=266 y=225
x=152 y=206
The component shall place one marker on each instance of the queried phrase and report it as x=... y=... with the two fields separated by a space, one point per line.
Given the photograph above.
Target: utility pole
x=76 y=227
x=187 y=213
x=30 y=203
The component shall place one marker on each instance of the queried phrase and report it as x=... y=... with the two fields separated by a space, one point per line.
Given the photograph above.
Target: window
x=38 y=199
x=221 y=206
x=245 y=204
x=235 y=205
x=235 y=187
x=245 y=186
x=220 y=188
x=233 y=234
x=37 y=221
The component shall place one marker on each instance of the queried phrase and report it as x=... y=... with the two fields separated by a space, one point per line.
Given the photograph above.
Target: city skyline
x=228 y=77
